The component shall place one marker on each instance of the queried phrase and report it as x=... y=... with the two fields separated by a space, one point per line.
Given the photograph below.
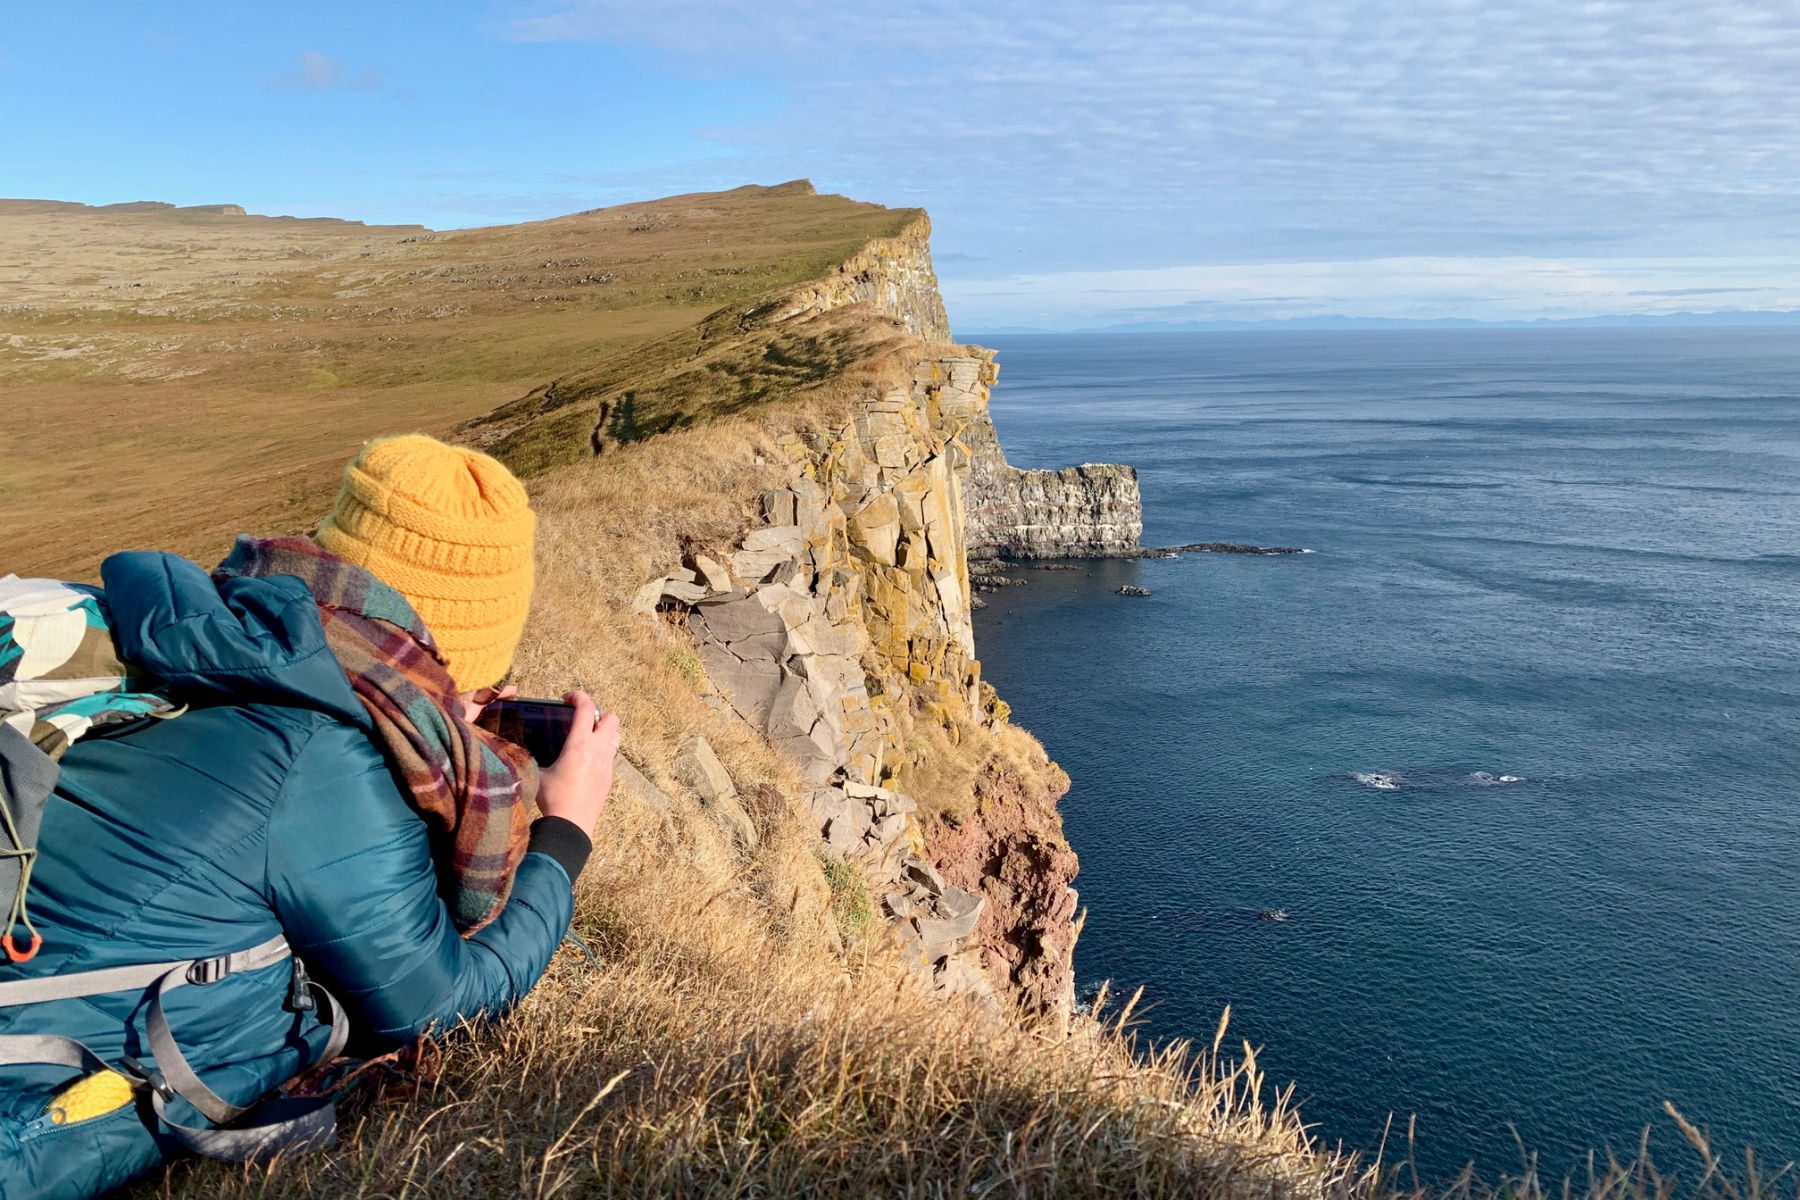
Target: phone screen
x=541 y=726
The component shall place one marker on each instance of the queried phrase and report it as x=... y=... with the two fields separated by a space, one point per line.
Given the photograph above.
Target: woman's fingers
x=587 y=715
x=474 y=702
x=576 y=785
x=608 y=729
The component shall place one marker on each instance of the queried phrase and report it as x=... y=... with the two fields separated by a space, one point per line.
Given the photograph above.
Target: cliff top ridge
x=300 y=338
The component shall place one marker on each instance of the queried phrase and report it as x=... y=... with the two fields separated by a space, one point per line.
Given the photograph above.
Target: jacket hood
x=241 y=640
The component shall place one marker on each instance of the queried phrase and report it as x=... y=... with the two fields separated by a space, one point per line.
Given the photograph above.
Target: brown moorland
x=176 y=374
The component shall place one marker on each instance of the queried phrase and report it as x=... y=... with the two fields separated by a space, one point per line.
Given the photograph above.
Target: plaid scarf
x=473 y=789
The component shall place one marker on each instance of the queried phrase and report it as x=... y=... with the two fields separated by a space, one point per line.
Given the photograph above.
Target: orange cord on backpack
x=18 y=910
x=12 y=951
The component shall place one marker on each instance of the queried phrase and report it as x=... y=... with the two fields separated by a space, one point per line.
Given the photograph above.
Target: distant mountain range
x=1678 y=320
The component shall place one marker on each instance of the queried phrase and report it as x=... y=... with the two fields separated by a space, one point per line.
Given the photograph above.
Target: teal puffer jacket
x=265 y=809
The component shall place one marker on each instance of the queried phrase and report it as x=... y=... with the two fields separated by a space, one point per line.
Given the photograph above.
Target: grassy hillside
x=178 y=374
x=736 y=1024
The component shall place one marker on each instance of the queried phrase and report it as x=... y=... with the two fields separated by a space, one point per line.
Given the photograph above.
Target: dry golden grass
x=949 y=768
x=690 y=1062
x=177 y=376
x=724 y=367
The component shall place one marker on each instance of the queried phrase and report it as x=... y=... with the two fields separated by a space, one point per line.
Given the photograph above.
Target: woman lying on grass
x=321 y=841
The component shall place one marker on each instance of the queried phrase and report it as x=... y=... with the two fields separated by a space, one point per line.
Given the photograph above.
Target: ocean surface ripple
x=1513 y=755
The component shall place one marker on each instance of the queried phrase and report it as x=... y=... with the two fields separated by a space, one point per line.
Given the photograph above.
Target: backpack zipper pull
x=21 y=956
x=300 y=998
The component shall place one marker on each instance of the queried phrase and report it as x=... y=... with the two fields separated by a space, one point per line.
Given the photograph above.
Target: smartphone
x=541 y=726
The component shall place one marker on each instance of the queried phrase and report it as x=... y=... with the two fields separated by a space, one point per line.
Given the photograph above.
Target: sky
x=1084 y=164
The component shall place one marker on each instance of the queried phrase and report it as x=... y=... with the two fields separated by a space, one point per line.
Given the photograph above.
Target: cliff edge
x=823 y=946
x=837 y=622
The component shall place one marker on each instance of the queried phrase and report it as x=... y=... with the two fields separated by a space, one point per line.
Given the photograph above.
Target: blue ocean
x=1516 y=750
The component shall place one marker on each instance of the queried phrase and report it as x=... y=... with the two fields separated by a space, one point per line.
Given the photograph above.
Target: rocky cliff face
x=1092 y=510
x=893 y=275
x=1089 y=511
x=839 y=627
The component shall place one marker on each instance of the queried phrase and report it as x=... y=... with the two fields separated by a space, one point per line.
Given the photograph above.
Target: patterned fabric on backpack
x=59 y=674
x=60 y=678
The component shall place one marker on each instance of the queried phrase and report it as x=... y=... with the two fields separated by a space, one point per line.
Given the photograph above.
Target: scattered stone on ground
x=700 y=769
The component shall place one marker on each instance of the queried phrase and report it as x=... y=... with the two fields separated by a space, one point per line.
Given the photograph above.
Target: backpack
x=60 y=679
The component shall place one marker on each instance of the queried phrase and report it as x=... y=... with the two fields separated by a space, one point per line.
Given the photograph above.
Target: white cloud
x=317 y=72
x=1073 y=134
x=1253 y=128
x=1487 y=288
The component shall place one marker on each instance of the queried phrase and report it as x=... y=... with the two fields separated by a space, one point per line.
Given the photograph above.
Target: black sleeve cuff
x=562 y=840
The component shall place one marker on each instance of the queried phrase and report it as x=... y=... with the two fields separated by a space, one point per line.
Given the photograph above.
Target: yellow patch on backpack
x=92 y=1097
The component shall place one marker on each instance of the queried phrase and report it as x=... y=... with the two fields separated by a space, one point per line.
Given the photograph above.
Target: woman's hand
x=473 y=702
x=576 y=785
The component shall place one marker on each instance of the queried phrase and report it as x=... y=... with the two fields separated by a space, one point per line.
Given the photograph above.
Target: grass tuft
x=850 y=902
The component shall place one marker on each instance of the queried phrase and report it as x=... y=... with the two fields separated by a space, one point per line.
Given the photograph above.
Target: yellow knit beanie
x=451 y=530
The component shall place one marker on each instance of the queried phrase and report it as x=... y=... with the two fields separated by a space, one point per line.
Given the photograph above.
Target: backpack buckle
x=209 y=970
x=148 y=1077
x=300 y=996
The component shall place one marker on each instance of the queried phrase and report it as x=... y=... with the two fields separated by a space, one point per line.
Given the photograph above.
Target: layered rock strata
x=1089 y=511
x=839 y=626
x=893 y=275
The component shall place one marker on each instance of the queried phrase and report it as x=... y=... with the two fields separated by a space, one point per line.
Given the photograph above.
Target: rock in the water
x=1131 y=589
x=1090 y=511
x=1219 y=548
